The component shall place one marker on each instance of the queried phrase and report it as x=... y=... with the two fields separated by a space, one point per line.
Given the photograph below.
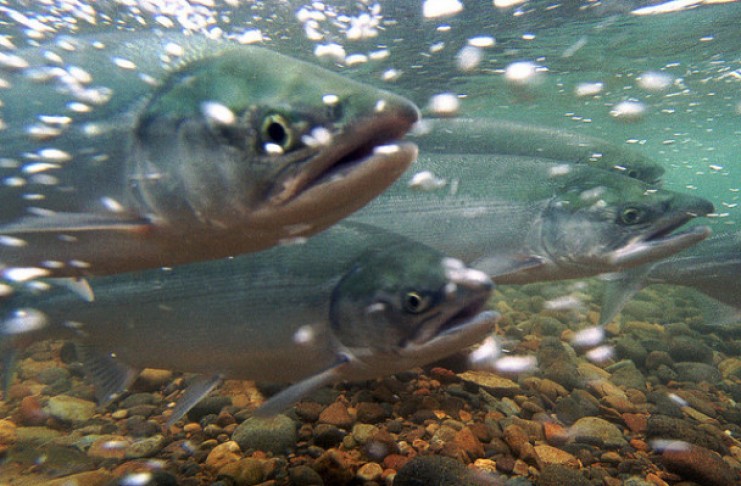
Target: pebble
x=496 y=385
x=8 y=432
x=439 y=470
x=337 y=414
x=662 y=427
x=223 y=454
x=575 y=406
x=88 y=478
x=685 y=348
x=369 y=471
x=697 y=463
x=70 y=409
x=553 y=455
x=275 y=434
x=244 y=472
x=597 y=431
x=304 y=476
x=145 y=447
x=697 y=372
x=559 y=475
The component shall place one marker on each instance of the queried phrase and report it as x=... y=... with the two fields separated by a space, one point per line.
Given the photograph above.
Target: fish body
x=712 y=267
x=354 y=300
x=525 y=220
x=504 y=137
x=128 y=151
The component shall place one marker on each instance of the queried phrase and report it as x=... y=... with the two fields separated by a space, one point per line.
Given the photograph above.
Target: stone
x=223 y=454
x=371 y=412
x=552 y=455
x=370 y=471
x=697 y=372
x=275 y=434
x=494 y=384
x=36 y=436
x=597 y=431
x=662 y=427
x=109 y=447
x=698 y=464
x=8 y=432
x=555 y=434
x=145 y=447
x=337 y=414
x=630 y=348
x=70 y=409
x=558 y=475
x=244 y=472
x=88 y=478
x=575 y=406
x=685 y=348
x=304 y=476
x=438 y=470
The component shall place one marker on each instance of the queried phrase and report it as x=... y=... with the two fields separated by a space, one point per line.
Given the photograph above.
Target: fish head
x=407 y=306
x=614 y=223
x=248 y=136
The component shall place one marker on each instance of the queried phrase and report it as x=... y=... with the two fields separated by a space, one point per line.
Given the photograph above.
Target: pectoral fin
x=79 y=286
x=288 y=396
x=76 y=222
x=496 y=266
x=196 y=391
x=110 y=377
x=620 y=288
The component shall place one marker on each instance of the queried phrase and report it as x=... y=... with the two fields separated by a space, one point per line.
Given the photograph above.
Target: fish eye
x=633 y=173
x=630 y=215
x=415 y=303
x=276 y=130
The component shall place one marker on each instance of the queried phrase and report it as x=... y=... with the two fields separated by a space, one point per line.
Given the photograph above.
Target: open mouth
x=463 y=317
x=374 y=139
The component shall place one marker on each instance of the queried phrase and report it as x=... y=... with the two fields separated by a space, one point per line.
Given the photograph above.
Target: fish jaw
x=641 y=251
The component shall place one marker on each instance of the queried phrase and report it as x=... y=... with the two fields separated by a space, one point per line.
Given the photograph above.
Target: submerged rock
x=276 y=434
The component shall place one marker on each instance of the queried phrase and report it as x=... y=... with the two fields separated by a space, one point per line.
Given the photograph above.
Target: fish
x=712 y=267
x=352 y=303
x=505 y=137
x=126 y=151
x=523 y=219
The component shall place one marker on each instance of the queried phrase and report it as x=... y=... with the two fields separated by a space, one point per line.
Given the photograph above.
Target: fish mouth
x=372 y=141
x=463 y=317
x=466 y=327
x=660 y=243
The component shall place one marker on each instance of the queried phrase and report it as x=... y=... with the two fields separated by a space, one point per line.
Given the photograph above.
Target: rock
x=31 y=412
x=698 y=464
x=636 y=422
x=309 y=411
x=304 y=476
x=575 y=406
x=336 y=414
x=109 y=447
x=656 y=358
x=89 y=478
x=136 y=399
x=630 y=348
x=207 y=406
x=661 y=427
x=369 y=471
x=274 y=434
x=685 y=348
x=555 y=434
x=730 y=368
x=70 y=409
x=36 y=436
x=626 y=374
x=8 y=433
x=244 y=472
x=145 y=447
x=495 y=385
x=437 y=470
x=334 y=467
x=326 y=435
x=552 y=455
x=362 y=432
x=150 y=380
x=563 y=373
x=558 y=475
x=597 y=431
x=371 y=412
x=697 y=372
x=642 y=310
x=223 y=454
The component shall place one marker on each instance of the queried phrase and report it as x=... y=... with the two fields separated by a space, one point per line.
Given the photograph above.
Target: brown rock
x=8 y=432
x=621 y=404
x=698 y=464
x=336 y=414
x=636 y=422
x=552 y=455
x=87 y=478
x=555 y=434
x=110 y=447
x=467 y=442
x=395 y=461
x=369 y=471
x=31 y=412
x=223 y=454
x=494 y=384
x=244 y=472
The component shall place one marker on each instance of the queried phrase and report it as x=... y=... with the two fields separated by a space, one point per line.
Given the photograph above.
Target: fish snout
x=461 y=276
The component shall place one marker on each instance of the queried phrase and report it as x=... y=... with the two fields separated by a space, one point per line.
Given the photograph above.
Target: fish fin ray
x=292 y=394
x=79 y=286
x=110 y=376
x=498 y=266
x=619 y=289
x=196 y=391
x=75 y=223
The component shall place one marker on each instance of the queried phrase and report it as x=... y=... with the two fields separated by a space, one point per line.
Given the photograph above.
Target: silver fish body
x=525 y=220
x=354 y=299
x=136 y=150
x=502 y=137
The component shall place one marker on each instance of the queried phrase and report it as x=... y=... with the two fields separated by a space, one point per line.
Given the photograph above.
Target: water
x=571 y=66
